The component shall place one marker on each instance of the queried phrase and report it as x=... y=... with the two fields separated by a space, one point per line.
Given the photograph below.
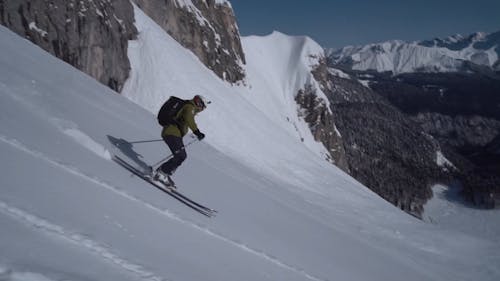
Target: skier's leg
x=179 y=154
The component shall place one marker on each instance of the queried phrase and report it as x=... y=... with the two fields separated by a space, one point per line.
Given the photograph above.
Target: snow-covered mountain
x=278 y=68
x=269 y=95
x=208 y=29
x=453 y=54
x=67 y=212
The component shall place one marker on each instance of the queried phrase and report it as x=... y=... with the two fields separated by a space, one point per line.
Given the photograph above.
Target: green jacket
x=185 y=120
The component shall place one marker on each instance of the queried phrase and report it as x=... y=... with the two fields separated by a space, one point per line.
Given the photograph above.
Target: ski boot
x=163 y=178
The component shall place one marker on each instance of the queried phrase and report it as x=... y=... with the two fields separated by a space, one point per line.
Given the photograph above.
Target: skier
x=172 y=135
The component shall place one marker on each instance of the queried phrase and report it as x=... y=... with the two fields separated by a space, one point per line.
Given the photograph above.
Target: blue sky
x=337 y=23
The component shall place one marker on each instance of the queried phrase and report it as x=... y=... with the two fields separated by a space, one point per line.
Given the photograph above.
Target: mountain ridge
x=436 y=55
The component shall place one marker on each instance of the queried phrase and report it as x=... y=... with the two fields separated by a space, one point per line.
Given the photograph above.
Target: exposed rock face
x=320 y=119
x=207 y=28
x=385 y=149
x=91 y=35
x=316 y=113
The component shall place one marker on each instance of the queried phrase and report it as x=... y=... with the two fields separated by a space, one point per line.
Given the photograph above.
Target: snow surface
x=449 y=210
x=68 y=213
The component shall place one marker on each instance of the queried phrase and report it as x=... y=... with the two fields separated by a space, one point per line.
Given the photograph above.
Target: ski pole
x=145 y=141
x=171 y=155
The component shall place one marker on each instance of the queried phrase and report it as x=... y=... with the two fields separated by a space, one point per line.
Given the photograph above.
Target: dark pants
x=179 y=154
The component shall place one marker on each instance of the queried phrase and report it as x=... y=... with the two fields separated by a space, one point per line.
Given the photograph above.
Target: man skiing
x=172 y=135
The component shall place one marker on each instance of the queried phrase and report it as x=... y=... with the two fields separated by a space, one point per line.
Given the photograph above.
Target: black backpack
x=169 y=110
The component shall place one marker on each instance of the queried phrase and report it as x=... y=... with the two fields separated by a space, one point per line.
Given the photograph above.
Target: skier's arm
x=189 y=113
x=189 y=117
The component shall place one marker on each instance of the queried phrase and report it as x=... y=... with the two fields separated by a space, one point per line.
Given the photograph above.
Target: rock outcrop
x=207 y=28
x=91 y=35
x=316 y=113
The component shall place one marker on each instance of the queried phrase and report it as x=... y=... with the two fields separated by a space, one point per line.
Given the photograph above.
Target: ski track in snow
x=7 y=274
x=85 y=242
x=78 y=239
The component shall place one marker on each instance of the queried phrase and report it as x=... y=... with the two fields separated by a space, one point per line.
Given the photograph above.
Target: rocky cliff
x=316 y=113
x=207 y=28
x=91 y=35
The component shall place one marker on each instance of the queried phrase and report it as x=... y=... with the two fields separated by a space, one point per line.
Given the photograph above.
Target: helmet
x=200 y=102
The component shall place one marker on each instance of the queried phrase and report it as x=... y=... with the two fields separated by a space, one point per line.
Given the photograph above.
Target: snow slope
x=69 y=213
x=237 y=121
x=448 y=209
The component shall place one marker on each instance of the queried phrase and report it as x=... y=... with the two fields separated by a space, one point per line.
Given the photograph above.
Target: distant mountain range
x=476 y=52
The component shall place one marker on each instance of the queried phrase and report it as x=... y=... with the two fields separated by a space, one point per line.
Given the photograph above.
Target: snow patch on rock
x=441 y=161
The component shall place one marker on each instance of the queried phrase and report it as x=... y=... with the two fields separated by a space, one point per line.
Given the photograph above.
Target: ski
x=194 y=202
x=173 y=193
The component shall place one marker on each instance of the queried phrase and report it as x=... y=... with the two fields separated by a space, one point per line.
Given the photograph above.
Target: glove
x=199 y=135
